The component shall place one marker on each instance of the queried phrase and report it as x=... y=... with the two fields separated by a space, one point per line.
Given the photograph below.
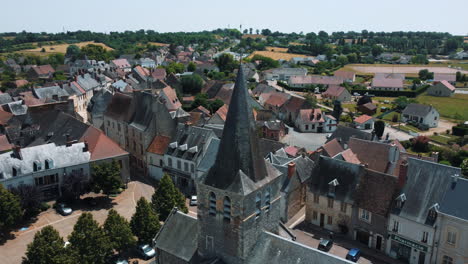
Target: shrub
x=420 y=144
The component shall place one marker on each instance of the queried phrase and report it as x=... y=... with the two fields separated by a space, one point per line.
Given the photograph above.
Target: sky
x=191 y=15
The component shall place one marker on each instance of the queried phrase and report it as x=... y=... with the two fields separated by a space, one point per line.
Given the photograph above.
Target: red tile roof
x=121 y=63
x=172 y=102
x=277 y=99
x=4 y=116
x=222 y=112
x=349 y=156
x=100 y=146
x=448 y=85
x=20 y=83
x=159 y=74
x=159 y=145
x=291 y=150
x=332 y=148
x=142 y=71
x=345 y=74
x=311 y=115
x=43 y=69
x=334 y=91
x=294 y=104
x=362 y=119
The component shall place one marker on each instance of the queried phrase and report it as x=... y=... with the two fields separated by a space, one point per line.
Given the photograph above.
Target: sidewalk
x=371 y=254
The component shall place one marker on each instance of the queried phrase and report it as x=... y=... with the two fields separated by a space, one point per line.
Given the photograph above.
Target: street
x=13 y=250
x=309 y=141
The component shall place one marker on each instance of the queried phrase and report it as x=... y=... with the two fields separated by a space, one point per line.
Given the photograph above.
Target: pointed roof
x=239 y=165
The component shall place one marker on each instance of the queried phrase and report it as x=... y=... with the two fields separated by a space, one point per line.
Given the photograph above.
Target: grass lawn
x=455 y=107
x=409 y=128
x=444 y=138
x=389 y=117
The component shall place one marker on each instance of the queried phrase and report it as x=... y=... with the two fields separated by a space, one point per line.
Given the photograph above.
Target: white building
x=421 y=114
x=313 y=120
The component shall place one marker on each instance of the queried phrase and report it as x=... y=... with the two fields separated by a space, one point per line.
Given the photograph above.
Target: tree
x=402 y=101
x=420 y=144
x=166 y=197
x=10 y=209
x=74 y=185
x=145 y=222
x=459 y=77
x=225 y=62
x=192 y=84
x=106 y=177
x=337 y=110
x=119 y=232
x=96 y=52
x=265 y=62
x=30 y=199
x=175 y=67
x=48 y=248
x=379 y=128
x=424 y=74
x=191 y=67
x=342 y=60
x=419 y=59
x=73 y=52
x=311 y=100
x=90 y=241
x=464 y=168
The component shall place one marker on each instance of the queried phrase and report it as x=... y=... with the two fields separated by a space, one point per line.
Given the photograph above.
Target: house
x=413 y=217
x=367 y=108
x=147 y=63
x=155 y=156
x=442 y=88
x=262 y=88
x=330 y=149
x=142 y=74
x=43 y=72
x=387 y=84
x=347 y=76
x=452 y=220
x=170 y=99
x=121 y=64
x=274 y=130
x=158 y=74
x=121 y=86
x=450 y=78
x=364 y=122
x=219 y=117
x=275 y=101
x=238 y=211
x=338 y=93
x=289 y=110
x=381 y=75
x=343 y=134
x=313 y=120
x=421 y=114
x=305 y=81
x=283 y=74
x=185 y=152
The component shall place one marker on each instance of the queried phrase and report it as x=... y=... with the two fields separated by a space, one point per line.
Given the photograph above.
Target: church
x=238 y=219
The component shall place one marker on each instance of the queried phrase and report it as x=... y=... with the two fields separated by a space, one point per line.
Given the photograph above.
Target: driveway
x=13 y=250
x=443 y=126
x=309 y=141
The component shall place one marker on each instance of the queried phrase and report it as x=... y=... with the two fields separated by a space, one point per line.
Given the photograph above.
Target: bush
x=460 y=130
x=420 y=144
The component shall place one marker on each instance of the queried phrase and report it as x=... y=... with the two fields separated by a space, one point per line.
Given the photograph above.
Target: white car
x=63 y=209
x=146 y=251
x=193 y=200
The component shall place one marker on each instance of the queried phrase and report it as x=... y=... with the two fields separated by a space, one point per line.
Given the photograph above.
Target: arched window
x=212 y=210
x=227 y=209
x=267 y=200
x=258 y=205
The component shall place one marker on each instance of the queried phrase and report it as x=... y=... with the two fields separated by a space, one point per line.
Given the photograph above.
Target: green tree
x=175 y=67
x=119 y=232
x=96 y=52
x=106 y=177
x=424 y=74
x=192 y=84
x=214 y=105
x=10 y=209
x=464 y=168
x=48 y=248
x=166 y=197
x=402 y=101
x=419 y=59
x=265 y=62
x=379 y=128
x=30 y=198
x=225 y=62
x=145 y=222
x=342 y=60
x=90 y=241
x=73 y=51
x=191 y=67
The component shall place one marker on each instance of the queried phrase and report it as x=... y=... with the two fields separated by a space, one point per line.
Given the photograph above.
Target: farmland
x=276 y=55
x=455 y=107
x=409 y=70
x=58 y=48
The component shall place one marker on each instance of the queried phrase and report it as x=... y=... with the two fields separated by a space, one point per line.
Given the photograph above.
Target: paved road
x=396 y=134
x=13 y=250
x=309 y=141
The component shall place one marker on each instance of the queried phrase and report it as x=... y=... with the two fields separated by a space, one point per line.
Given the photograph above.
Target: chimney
x=454 y=180
x=17 y=152
x=435 y=156
x=291 y=169
x=86 y=146
x=403 y=174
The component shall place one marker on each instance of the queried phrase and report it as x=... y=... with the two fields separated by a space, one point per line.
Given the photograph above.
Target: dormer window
x=15 y=171
x=183 y=147
x=432 y=215
x=400 y=200
x=173 y=145
x=332 y=187
x=37 y=166
x=258 y=205
x=193 y=149
x=49 y=164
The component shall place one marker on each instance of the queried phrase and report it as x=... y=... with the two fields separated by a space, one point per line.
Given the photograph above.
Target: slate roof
x=376 y=154
x=143 y=115
x=5 y=98
x=454 y=202
x=273 y=249
x=99 y=102
x=62 y=156
x=17 y=108
x=210 y=157
x=239 y=167
x=343 y=134
x=387 y=82
x=267 y=145
x=178 y=236
x=425 y=186
x=304 y=167
x=195 y=139
x=316 y=79
x=87 y=82
x=262 y=88
x=119 y=107
x=417 y=110
x=49 y=92
x=347 y=175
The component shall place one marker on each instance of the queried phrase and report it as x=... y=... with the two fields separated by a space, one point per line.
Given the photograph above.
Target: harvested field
x=159 y=44
x=276 y=49
x=409 y=70
x=59 y=48
x=276 y=55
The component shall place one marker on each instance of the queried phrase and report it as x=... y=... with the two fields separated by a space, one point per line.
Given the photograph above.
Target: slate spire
x=238 y=154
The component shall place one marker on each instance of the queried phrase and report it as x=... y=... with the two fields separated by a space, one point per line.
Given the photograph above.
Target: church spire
x=238 y=155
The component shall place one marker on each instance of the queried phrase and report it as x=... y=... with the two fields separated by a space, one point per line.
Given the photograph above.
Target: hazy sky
x=191 y=15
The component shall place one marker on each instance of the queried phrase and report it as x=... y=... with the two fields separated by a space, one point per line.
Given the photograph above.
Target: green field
x=443 y=138
x=455 y=107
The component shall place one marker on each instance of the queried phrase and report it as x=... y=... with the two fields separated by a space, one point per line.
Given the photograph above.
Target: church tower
x=240 y=196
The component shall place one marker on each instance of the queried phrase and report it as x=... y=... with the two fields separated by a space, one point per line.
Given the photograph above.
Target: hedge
x=409 y=94
x=460 y=130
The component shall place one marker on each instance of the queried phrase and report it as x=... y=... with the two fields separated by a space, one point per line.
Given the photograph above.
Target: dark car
x=63 y=209
x=354 y=254
x=325 y=245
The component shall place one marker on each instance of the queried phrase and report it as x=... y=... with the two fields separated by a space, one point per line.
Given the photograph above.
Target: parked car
x=66 y=244
x=146 y=251
x=63 y=209
x=193 y=200
x=354 y=254
x=121 y=261
x=325 y=245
